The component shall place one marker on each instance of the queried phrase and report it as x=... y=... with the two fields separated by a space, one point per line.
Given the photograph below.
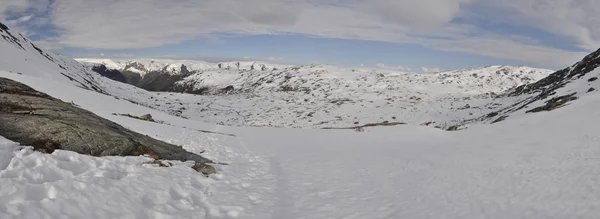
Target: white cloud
x=138 y=24
x=418 y=14
x=126 y=24
x=430 y=70
x=578 y=20
x=510 y=49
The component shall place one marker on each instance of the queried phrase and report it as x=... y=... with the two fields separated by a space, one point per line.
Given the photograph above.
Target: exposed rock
x=554 y=103
x=204 y=169
x=109 y=73
x=33 y=118
x=147 y=117
x=499 y=119
x=591 y=89
x=384 y=123
x=452 y=128
x=492 y=114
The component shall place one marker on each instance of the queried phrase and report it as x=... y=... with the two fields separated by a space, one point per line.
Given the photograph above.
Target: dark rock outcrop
x=163 y=80
x=109 y=73
x=33 y=118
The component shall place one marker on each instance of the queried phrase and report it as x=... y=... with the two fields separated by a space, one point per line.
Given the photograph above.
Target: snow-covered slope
x=537 y=165
x=260 y=76
x=557 y=90
x=331 y=79
x=145 y=66
x=540 y=166
x=326 y=96
x=21 y=56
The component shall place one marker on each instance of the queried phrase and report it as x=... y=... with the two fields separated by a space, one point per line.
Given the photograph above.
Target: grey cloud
x=125 y=24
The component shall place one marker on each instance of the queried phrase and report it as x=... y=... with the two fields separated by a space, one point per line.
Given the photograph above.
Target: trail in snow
x=415 y=172
x=285 y=201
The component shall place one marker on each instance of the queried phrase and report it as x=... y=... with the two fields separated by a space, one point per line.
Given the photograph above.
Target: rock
x=36 y=119
x=147 y=117
x=499 y=119
x=109 y=73
x=554 y=103
x=452 y=128
x=492 y=114
x=204 y=168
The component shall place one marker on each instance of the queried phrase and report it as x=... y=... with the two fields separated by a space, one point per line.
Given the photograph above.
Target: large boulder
x=37 y=119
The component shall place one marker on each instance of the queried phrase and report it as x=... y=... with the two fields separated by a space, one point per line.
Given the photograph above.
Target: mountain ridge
x=234 y=73
x=310 y=96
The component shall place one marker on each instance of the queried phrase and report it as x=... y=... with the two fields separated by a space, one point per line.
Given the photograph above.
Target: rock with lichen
x=34 y=118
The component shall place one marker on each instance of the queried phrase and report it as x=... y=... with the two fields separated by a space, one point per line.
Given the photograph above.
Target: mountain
x=322 y=96
x=162 y=74
x=210 y=78
x=21 y=56
x=541 y=164
x=557 y=90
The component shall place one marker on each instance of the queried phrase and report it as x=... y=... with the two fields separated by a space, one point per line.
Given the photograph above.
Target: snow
x=486 y=171
x=320 y=96
x=542 y=165
x=173 y=66
x=66 y=184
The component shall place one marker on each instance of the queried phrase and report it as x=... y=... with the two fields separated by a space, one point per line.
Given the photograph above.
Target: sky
x=408 y=35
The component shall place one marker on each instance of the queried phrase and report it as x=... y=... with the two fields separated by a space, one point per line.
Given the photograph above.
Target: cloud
x=419 y=14
x=430 y=70
x=130 y=24
x=510 y=49
x=576 y=19
x=122 y=24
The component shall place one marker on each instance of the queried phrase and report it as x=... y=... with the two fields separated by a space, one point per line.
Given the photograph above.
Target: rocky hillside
x=163 y=74
x=555 y=91
x=21 y=56
x=33 y=118
x=324 y=96
x=47 y=124
x=254 y=77
x=315 y=96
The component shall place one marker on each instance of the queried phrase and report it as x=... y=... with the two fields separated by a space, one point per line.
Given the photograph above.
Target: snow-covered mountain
x=319 y=95
x=531 y=165
x=145 y=66
x=163 y=74
x=210 y=78
x=21 y=56
x=557 y=90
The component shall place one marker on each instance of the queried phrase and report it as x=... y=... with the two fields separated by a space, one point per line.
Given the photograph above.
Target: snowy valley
x=524 y=142
x=321 y=96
